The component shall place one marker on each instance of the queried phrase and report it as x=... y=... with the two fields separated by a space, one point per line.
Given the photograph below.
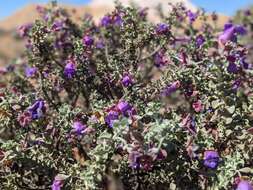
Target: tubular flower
x=106 y=21
x=79 y=128
x=111 y=117
x=70 y=69
x=162 y=28
x=88 y=40
x=192 y=16
x=125 y=108
x=211 y=159
x=127 y=80
x=171 y=88
x=57 y=184
x=38 y=109
x=230 y=33
x=244 y=185
x=30 y=71
x=200 y=40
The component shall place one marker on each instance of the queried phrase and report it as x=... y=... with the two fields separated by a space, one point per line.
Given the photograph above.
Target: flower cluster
x=128 y=103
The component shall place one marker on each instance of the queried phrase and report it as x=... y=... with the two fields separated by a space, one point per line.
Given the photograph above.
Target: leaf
x=246 y=170
x=216 y=104
x=229 y=120
x=61 y=177
x=228 y=132
x=231 y=109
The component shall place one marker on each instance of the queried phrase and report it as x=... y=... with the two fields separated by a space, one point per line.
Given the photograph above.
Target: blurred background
x=14 y=13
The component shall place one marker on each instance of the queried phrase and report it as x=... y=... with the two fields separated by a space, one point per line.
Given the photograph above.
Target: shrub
x=127 y=104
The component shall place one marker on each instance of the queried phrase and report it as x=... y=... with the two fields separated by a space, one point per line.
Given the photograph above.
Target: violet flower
x=117 y=20
x=192 y=16
x=111 y=117
x=133 y=159
x=127 y=80
x=171 y=88
x=200 y=40
x=57 y=183
x=160 y=59
x=125 y=108
x=236 y=85
x=79 y=128
x=245 y=64
x=143 y=12
x=30 y=71
x=70 y=69
x=106 y=21
x=88 y=40
x=230 y=33
x=162 y=28
x=100 y=44
x=232 y=68
x=24 y=30
x=211 y=159
x=244 y=185
x=38 y=109
x=57 y=26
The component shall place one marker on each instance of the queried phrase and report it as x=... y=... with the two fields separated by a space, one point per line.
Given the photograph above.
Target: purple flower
x=160 y=59
x=117 y=19
x=111 y=117
x=227 y=26
x=162 y=28
x=211 y=159
x=240 y=30
x=37 y=109
x=30 y=71
x=24 y=30
x=127 y=80
x=125 y=108
x=192 y=16
x=134 y=160
x=230 y=33
x=200 y=40
x=106 y=21
x=143 y=12
x=227 y=35
x=232 y=68
x=236 y=85
x=58 y=183
x=100 y=44
x=88 y=40
x=70 y=69
x=171 y=88
x=244 y=185
x=79 y=128
x=245 y=64
x=57 y=26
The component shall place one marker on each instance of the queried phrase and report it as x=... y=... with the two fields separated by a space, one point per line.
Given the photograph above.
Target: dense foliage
x=128 y=104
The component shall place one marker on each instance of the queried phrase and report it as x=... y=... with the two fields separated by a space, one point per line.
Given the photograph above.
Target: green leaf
x=231 y=109
x=246 y=170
